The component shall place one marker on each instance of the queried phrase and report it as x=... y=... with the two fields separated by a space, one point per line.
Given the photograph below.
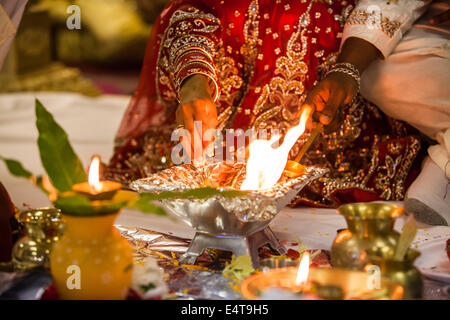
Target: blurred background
x=103 y=57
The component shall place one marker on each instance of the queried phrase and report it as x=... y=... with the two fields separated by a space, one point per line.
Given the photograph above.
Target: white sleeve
x=383 y=23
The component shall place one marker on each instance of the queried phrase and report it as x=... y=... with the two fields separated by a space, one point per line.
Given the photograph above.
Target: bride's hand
x=196 y=104
x=334 y=91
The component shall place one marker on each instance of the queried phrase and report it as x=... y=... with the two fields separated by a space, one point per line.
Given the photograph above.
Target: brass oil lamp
x=370 y=233
x=403 y=273
x=43 y=228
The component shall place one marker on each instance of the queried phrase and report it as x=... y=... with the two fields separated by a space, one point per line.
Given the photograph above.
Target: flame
x=94 y=175
x=303 y=270
x=265 y=163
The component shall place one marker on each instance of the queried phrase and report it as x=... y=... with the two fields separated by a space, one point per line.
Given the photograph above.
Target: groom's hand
x=335 y=90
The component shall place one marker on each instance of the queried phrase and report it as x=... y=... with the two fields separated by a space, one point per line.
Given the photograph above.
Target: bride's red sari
x=262 y=57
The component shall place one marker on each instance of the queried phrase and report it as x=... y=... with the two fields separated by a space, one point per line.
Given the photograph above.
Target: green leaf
x=78 y=205
x=16 y=168
x=62 y=165
x=144 y=204
x=146 y=287
x=199 y=193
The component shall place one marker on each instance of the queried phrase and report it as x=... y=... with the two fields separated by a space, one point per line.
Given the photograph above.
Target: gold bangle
x=347 y=65
x=190 y=50
x=346 y=71
x=198 y=71
x=187 y=50
x=191 y=62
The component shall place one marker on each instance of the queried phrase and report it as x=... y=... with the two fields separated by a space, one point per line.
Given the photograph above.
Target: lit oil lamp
x=96 y=189
x=325 y=283
x=301 y=280
x=90 y=241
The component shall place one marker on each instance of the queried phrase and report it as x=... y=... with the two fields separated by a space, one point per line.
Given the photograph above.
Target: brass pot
x=403 y=273
x=43 y=227
x=370 y=233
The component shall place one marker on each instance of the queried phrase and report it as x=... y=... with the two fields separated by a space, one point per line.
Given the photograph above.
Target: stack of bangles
x=195 y=61
x=348 y=69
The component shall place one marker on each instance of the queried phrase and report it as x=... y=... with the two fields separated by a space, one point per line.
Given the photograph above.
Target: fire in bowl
x=227 y=219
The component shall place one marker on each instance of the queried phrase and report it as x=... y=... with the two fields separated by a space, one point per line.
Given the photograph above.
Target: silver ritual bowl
x=225 y=218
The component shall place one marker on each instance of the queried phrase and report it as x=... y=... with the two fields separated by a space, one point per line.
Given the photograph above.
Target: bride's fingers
x=186 y=143
x=197 y=142
x=185 y=118
x=206 y=113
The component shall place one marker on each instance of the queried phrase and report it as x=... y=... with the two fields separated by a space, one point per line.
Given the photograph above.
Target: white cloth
x=440 y=153
x=432 y=189
x=412 y=83
x=10 y=15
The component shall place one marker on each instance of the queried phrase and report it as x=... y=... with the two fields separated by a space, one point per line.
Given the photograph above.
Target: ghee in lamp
x=95 y=189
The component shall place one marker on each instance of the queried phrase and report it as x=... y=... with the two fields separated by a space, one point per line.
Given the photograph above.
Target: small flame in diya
x=96 y=189
x=303 y=271
x=266 y=163
x=94 y=176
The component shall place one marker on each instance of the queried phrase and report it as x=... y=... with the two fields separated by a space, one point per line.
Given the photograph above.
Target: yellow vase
x=92 y=260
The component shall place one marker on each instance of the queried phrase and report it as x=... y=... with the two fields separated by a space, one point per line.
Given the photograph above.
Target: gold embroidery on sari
x=230 y=82
x=193 y=13
x=284 y=94
x=374 y=19
x=251 y=33
x=249 y=53
x=413 y=148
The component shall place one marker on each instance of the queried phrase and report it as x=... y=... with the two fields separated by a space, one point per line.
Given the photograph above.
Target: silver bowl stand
x=239 y=225
x=219 y=229
x=239 y=245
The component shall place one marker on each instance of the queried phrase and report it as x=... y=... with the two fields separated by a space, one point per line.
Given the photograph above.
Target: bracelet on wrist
x=347 y=65
x=347 y=69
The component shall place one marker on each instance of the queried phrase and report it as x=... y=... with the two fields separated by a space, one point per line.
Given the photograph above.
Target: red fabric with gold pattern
x=6 y=234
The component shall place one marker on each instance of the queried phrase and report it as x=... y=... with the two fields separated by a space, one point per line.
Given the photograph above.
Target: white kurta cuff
x=377 y=38
x=383 y=23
